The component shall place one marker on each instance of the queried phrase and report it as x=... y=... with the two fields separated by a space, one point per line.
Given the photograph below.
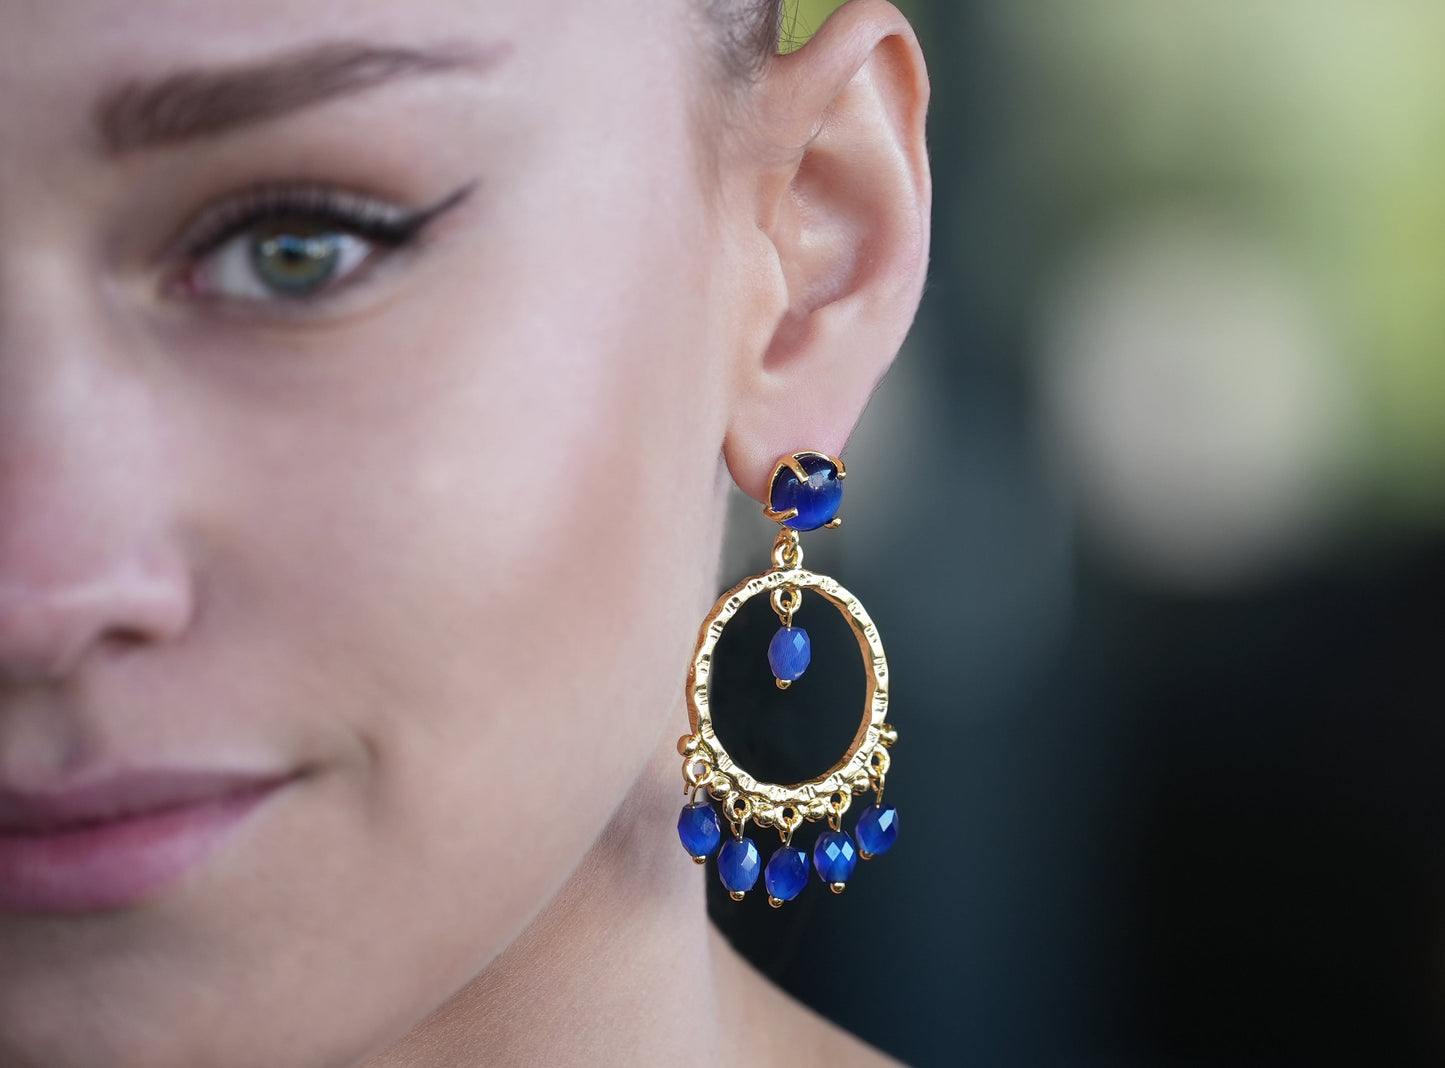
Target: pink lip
x=109 y=845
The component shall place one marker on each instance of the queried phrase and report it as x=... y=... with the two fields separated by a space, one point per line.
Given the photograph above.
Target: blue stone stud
x=789 y=654
x=738 y=865
x=786 y=875
x=877 y=830
x=698 y=827
x=806 y=491
x=835 y=856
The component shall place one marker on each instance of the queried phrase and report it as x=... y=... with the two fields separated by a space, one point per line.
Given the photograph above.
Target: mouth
x=118 y=842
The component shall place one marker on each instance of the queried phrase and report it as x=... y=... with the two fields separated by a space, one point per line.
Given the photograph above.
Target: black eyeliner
x=356 y=213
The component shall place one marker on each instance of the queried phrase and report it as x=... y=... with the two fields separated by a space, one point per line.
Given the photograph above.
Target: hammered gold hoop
x=707 y=763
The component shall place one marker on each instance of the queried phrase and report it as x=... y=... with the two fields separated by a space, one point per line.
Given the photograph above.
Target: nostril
x=123 y=639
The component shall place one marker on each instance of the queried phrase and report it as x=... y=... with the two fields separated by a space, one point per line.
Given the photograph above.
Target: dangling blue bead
x=786 y=874
x=738 y=865
x=877 y=830
x=835 y=856
x=789 y=653
x=817 y=499
x=698 y=827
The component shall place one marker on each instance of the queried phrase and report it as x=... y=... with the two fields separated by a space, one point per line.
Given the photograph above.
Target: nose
x=49 y=624
x=88 y=557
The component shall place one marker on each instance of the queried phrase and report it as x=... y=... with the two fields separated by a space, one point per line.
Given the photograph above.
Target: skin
x=436 y=546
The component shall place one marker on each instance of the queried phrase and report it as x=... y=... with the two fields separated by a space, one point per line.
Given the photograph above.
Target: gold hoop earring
x=804 y=494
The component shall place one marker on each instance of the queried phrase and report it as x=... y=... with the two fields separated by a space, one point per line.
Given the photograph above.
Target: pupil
x=295 y=263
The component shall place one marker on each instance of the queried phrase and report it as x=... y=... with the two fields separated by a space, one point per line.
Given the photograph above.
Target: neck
x=619 y=968
x=622 y=968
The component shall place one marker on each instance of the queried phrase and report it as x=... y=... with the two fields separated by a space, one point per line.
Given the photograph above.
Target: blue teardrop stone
x=738 y=864
x=787 y=873
x=817 y=500
x=790 y=653
x=835 y=856
x=877 y=829
x=697 y=826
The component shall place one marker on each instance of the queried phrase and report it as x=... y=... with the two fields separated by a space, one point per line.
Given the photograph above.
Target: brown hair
x=747 y=32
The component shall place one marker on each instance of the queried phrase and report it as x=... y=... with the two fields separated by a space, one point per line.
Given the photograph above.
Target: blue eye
x=292 y=263
x=281 y=261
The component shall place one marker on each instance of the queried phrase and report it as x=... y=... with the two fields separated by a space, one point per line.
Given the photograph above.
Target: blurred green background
x=1169 y=441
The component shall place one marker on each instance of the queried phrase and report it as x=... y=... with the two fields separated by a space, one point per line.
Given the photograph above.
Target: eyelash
x=385 y=226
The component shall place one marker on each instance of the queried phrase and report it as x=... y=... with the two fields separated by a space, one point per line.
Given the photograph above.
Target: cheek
x=481 y=568
x=552 y=593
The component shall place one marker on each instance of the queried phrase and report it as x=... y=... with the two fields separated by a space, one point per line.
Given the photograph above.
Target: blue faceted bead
x=697 y=826
x=789 y=653
x=877 y=829
x=738 y=864
x=787 y=874
x=835 y=856
x=817 y=500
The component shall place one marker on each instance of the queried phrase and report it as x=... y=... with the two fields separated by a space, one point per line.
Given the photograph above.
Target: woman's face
x=360 y=386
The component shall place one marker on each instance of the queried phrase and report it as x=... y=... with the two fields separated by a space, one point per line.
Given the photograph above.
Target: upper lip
x=122 y=796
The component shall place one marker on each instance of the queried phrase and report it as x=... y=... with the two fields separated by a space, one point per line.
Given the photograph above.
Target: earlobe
x=842 y=193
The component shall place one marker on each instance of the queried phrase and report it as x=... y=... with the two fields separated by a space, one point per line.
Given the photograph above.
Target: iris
x=292 y=263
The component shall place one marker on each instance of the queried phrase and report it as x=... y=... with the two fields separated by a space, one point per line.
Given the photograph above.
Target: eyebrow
x=193 y=104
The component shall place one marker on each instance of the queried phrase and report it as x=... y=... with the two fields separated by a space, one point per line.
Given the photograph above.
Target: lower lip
x=112 y=865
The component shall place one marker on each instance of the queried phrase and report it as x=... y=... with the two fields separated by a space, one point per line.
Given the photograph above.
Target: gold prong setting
x=806 y=490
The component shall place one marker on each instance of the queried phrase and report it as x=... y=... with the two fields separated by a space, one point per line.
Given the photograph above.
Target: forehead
x=58 y=57
x=139 y=31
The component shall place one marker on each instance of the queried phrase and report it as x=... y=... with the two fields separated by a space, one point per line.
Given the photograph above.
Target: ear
x=837 y=182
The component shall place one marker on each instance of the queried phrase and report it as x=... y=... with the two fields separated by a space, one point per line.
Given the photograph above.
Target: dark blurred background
x=1151 y=516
